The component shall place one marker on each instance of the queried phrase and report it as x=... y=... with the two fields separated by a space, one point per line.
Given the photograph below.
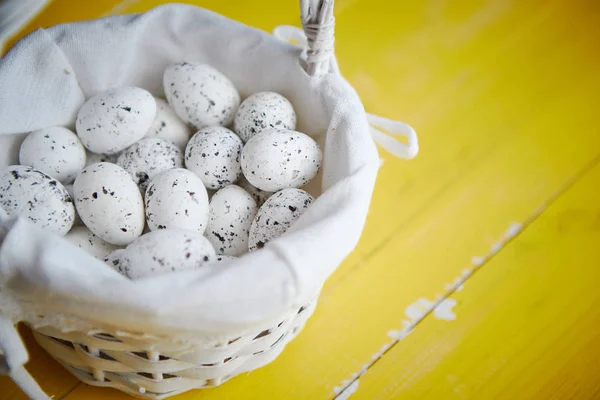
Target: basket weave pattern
x=155 y=369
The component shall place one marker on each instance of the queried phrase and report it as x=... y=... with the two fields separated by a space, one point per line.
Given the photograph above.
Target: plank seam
x=478 y=263
x=69 y=391
x=425 y=206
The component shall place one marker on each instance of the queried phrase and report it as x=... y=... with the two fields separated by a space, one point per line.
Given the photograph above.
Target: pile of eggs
x=131 y=186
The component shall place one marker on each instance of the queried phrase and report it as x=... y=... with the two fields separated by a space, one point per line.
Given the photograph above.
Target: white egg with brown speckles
x=83 y=238
x=275 y=217
x=114 y=120
x=109 y=203
x=176 y=199
x=167 y=125
x=200 y=95
x=277 y=159
x=149 y=157
x=261 y=111
x=36 y=196
x=56 y=151
x=165 y=251
x=232 y=210
x=213 y=154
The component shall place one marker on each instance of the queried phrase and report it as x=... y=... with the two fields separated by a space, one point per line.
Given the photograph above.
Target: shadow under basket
x=126 y=363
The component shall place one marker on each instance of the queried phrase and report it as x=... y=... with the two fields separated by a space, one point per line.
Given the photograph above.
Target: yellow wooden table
x=477 y=276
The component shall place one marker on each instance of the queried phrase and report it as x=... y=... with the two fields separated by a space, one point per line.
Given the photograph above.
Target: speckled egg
x=93 y=158
x=164 y=251
x=176 y=199
x=277 y=214
x=213 y=154
x=55 y=151
x=34 y=195
x=116 y=261
x=200 y=95
x=276 y=159
x=167 y=125
x=232 y=210
x=83 y=238
x=149 y=157
x=260 y=196
x=109 y=203
x=114 y=120
x=263 y=110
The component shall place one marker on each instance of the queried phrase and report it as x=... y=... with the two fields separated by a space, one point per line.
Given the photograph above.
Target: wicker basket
x=156 y=367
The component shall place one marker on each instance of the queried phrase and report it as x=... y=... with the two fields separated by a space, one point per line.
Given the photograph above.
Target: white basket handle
x=317 y=42
x=318 y=24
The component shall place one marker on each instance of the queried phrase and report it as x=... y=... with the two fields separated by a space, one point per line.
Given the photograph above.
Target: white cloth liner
x=45 y=79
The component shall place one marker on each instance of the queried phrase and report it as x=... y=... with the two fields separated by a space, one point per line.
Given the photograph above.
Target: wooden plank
x=494 y=155
x=527 y=324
